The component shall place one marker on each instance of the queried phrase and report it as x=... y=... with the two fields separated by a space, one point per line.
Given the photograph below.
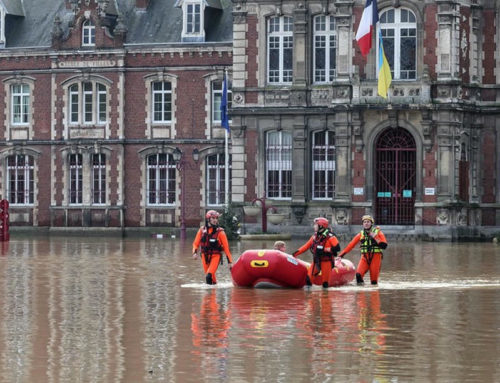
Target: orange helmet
x=212 y=213
x=323 y=222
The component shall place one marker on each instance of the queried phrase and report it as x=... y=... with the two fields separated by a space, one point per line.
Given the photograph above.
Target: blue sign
x=384 y=194
x=406 y=193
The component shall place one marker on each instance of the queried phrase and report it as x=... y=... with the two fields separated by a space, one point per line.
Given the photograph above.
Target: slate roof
x=159 y=23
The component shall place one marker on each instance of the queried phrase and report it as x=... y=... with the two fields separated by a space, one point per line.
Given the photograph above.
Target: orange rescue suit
x=324 y=247
x=372 y=242
x=212 y=241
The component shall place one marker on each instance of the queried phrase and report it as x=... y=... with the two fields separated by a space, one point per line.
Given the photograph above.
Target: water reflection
x=108 y=310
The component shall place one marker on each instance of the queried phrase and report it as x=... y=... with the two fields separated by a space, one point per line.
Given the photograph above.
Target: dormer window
x=194 y=13
x=2 y=28
x=9 y=8
x=88 y=34
x=193 y=18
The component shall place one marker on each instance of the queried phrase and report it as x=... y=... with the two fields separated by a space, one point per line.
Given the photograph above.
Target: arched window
x=87 y=103
x=323 y=165
x=88 y=33
x=161 y=173
x=399 y=31
x=279 y=164
x=216 y=179
x=280 y=50
x=325 y=49
x=20 y=179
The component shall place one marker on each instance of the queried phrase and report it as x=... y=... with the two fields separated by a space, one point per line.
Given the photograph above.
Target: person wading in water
x=372 y=242
x=324 y=247
x=213 y=241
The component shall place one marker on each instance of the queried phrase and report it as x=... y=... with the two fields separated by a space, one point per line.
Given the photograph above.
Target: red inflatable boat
x=268 y=268
x=273 y=268
x=343 y=273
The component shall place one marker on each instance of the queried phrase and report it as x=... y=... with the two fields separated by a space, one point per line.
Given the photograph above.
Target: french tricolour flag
x=367 y=25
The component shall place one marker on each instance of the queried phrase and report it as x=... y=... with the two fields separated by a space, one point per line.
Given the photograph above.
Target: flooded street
x=135 y=310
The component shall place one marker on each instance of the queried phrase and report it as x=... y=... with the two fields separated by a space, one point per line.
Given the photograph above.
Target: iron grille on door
x=395 y=178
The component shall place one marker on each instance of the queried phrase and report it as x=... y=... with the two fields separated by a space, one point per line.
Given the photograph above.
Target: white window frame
x=98 y=178
x=190 y=26
x=216 y=176
x=75 y=174
x=87 y=103
x=217 y=89
x=21 y=176
x=323 y=161
x=398 y=29
x=21 y=99
x=325 y=38
x=279 y=159
x=193 y=18
x=88 y=33
x=280 y=39
x=165 y=98
x=160 y=183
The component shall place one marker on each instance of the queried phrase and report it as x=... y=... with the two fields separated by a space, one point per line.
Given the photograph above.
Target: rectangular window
x=323 y=165
x=162 y=102
x=20 y=104
x=280 y=50
x=325 y=49
x=75 y=179
x=87 y=103
x=161 y=179
x=101 y=103
x=99 y=179
x=73 y=106
x=216 y=179
x=20 y=179
x=279 y=165
x=193 y=19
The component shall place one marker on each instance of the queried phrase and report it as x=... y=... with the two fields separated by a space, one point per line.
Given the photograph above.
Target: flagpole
x=226 y=156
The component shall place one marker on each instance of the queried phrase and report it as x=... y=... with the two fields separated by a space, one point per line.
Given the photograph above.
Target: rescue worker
x=372 y=242
x=280 y=245
x=324 y=246
x=213 y=241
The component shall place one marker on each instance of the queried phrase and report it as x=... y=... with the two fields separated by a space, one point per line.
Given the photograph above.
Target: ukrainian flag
x=383 y=69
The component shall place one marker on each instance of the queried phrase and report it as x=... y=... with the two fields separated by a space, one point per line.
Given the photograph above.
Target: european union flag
x=223 y=106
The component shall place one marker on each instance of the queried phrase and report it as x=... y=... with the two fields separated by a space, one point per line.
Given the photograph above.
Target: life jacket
x=368 y=244
x=318 y=244
x=210 y=241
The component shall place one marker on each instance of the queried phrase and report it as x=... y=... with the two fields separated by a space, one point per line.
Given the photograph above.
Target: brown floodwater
x=135 y=310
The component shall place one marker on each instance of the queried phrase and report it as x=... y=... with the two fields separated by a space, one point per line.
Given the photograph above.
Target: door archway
x=395 y=177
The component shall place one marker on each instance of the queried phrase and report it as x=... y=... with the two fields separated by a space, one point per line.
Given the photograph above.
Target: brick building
x=111 y=109
x=107 y=105
x=318 y=140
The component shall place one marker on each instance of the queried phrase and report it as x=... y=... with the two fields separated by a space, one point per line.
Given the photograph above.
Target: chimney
x=143 y=4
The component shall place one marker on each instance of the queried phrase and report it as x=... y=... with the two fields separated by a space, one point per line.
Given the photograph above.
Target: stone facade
x=450 y=109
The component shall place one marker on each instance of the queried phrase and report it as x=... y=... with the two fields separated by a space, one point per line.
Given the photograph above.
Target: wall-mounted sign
x=406 y=193
x=359 y=191
x=429 y=191
x=384 y=194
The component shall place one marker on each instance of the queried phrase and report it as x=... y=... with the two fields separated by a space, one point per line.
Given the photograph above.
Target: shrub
x=229 y=221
